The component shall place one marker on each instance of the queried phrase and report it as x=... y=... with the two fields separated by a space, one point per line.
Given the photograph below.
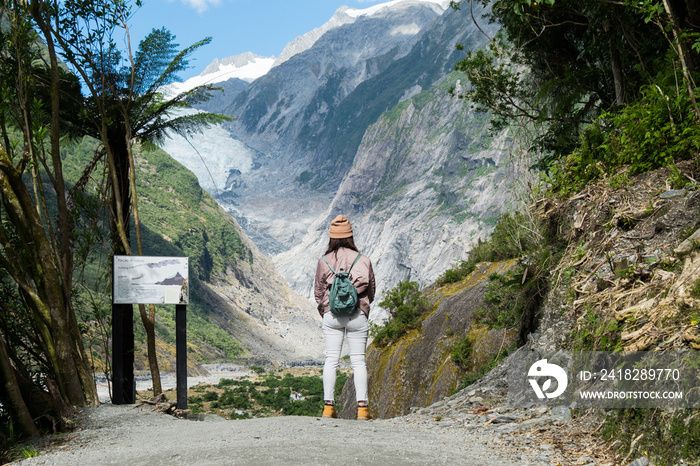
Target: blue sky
x=260 y=26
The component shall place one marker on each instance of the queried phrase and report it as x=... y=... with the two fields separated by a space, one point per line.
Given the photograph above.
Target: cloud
x=201 y=5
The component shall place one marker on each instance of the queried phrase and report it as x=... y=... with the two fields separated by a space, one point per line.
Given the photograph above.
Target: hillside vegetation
x=179 y=219
x=603 y=255
x=614 y=267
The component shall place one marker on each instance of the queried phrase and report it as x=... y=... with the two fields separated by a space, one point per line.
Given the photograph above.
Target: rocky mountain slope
x=237 y=298
x=304 y=119
x=357 y=118
x=426 y=183
x=627 y=279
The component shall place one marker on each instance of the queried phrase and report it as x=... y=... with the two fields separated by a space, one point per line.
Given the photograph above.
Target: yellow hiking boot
x=363 y=413
x=329 y=411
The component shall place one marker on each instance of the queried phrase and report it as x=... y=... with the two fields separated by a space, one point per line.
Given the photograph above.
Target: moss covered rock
x=418 y=369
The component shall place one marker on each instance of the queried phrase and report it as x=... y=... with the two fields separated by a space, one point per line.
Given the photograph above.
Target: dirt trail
x=134 y=436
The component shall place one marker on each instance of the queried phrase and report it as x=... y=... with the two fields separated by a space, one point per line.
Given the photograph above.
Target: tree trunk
x=64 y=329
x=40 y=281
x=149 y=325
x=17 y=407
x=147 y=318
x=682 y=54
x=615 y=65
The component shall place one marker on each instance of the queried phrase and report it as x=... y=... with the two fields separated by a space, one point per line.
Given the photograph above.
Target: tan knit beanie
x=340 y=228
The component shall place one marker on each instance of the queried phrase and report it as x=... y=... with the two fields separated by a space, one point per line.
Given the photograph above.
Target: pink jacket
x=361 y=273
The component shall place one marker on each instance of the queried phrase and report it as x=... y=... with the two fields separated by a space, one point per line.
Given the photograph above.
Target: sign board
x=151 y=280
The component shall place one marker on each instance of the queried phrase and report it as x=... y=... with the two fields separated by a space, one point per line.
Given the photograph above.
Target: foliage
x=505 y=303
x=560 y=64
x=668 y=438
x=657 y=130
x=513 y=303
x=405 y=305
x=201 y=329
x=515 y=235
x=456 y=273
x=462 y=352
x=596 y=331
x=269 y=395
x=18 y=453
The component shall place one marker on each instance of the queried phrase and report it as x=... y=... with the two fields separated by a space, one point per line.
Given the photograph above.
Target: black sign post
x=146 y=280
x=181 y=354
x=123 y=386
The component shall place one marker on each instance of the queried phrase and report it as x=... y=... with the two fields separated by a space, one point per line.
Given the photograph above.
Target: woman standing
x=343 y=254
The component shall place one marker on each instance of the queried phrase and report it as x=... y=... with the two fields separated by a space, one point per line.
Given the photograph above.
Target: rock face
x=425 y=184
x=418 y=370
x=305 y=121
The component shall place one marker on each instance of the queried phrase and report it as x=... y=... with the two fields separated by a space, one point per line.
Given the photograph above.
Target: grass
x=265 y=394
x=669 y=437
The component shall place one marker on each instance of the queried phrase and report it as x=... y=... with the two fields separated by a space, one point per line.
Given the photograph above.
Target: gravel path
x=134 y=436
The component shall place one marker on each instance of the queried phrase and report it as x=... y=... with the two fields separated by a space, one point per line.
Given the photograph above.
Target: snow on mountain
x=342 y=16
x=356 y=13
x=306 y=41
x=246 y=66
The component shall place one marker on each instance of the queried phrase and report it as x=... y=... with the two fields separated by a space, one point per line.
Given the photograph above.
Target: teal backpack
x=342 y=297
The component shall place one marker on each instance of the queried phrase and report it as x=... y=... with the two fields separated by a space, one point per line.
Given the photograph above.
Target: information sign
x=150 y=280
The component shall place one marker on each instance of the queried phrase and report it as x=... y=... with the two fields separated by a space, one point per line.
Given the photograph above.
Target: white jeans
x=356 y=328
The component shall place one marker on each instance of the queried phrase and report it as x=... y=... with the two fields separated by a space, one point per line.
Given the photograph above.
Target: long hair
x=336 y=243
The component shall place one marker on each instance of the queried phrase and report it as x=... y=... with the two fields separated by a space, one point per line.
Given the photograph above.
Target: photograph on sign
x=150 y=280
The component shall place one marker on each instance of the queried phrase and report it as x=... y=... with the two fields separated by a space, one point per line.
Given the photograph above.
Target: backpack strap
x=353 y=263
x=329 y=265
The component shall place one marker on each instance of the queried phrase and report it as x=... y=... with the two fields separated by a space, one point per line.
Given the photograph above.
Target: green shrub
x=258 y=369
x=462 y=352
x=226 y=383
x=405 y=305
x=235 y=400
x=210 y=396
x=456 y=273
